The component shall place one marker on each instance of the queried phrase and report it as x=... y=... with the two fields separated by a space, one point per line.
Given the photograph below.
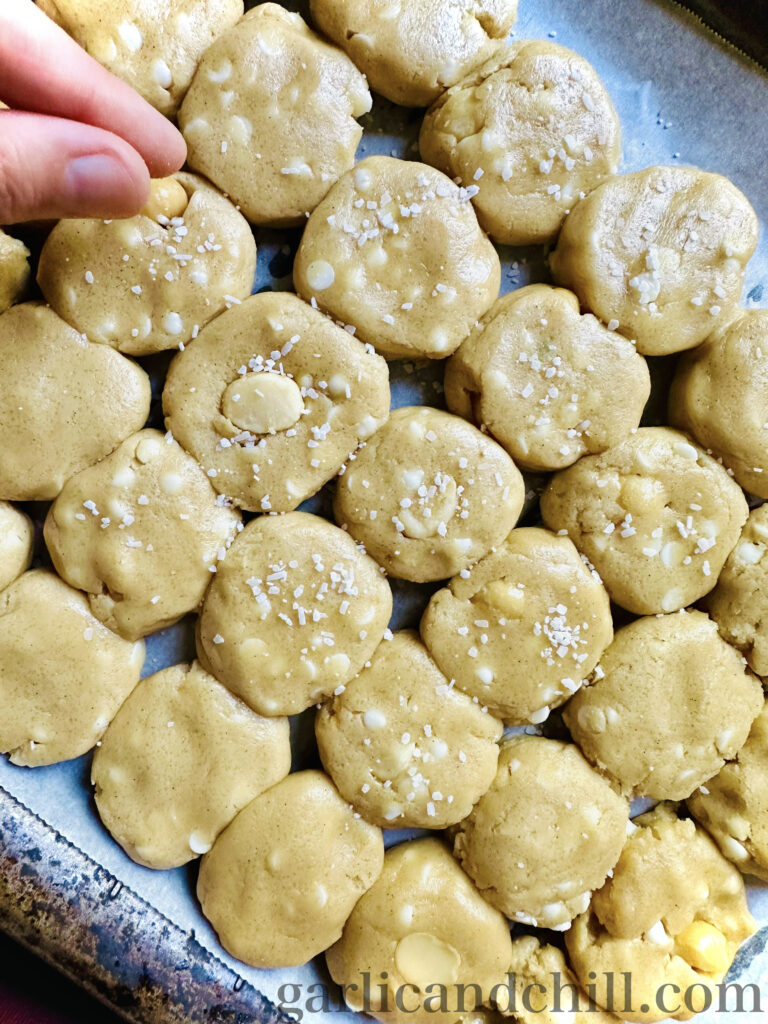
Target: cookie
x=522 y=628
x=395 y=251
x=429 y=494
x=656 y=516
x=549 y=384
x=422 y=923
x=275 y=899
x=65 y=403
x=153 y=281
x=271 y=116
x=671 y=703
x=294 y=611
x=272 y=398
x=141 y=533
x=535 y=129
x=63 y=674
x=14 y=270
x=659 y=253
x=17 y=542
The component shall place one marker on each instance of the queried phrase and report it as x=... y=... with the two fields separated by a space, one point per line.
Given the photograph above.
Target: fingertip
x=107 y=184
x=169 y=151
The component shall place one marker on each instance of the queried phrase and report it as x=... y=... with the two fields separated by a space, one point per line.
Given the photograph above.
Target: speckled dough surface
x=662 y=251
x=655 y=515
x=549 y=384
x=17 y=542
x=671 y=703
x=535 y=129
x=429 y=494
x=270 y=116
x=14 y=270
x=276 y=899
x=395 y=250
x=545 y=834
x=272 y=398
x=294 y=611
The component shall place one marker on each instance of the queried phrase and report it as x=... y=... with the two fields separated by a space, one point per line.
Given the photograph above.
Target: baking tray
x=136 y=938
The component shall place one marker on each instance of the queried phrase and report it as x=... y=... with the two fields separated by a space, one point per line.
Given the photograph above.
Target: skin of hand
x=76 y=141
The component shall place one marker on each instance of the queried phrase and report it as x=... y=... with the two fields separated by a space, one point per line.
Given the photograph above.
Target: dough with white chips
x=63 y=674
x=670 y=704
x=180 y=759
x=141 y=533
x=422 y=924
x=662 y=252
x=655 y=515
x=271 y=116
x=151 y=282
x=14 y=270
x=17 y=543
x=294 y=611
x=549 y=384
x=65 y=402
x=395 y=250
x=411 y=51
x=523 y=627
x=535 y=129
x=153 y=45
x=545 y=835
x=282 y=879
x=674 y=913
x=404 y=747
x=272 y=398
x=429 y=494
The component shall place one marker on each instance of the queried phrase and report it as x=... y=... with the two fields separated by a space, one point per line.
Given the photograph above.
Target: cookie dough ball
x=272 y=398
x=660 y=253
x=422 y=924
x=151 y=282
x=429 y=495
x=14 y=270
x=63 y=674
x=410 y=52
x=535 y=129
x=65 y=403
x=523 y=627
x=396 y=251
x=153 y=45
x=17 y=542
x=295 y=611
x=140 y=533
x=549 y=384
x=545 y=834
x=671 y=704
x=673 y=913
x=275 y=898
x=270 y=116
x=655 y=515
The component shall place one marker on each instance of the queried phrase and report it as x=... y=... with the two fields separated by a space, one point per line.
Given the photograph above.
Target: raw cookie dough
x=429 y=494
x=65 y=403
x=422 y=924
x=655 y=515
x=523 y=627
x=719 y=395
x=545 y=834
x=141 y=533
x=154 y=45
x=662 y=252
x=270 y=116
x=412 y=51
x=535 y=129
x=549 y=384
x=396 y=251
x=17 y=542
x=295 y=611
x=14 y=270
x=63 y=675
x=151 y=282
x=282 y=879
x=179 y=761
x=671 y=703
x=674 y=913
x=405 y=748
x=272 y=398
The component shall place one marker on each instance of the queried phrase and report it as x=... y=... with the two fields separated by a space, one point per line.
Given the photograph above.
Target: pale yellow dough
x=14 y=270
x=17 y=542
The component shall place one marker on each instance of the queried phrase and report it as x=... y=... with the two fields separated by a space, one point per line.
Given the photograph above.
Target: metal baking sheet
x=137 y=937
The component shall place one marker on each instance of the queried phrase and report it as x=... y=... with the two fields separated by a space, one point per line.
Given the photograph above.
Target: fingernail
x=90 y=177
